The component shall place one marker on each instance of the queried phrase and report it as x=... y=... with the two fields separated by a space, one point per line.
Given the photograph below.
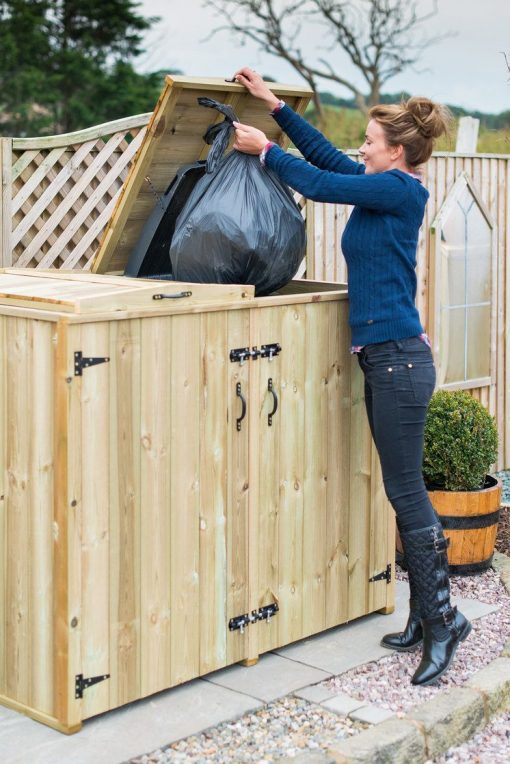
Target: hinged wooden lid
x=78 y=292
x=174 y=137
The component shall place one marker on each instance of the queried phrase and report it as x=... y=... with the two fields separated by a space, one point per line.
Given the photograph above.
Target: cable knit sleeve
x=384 y=191
x=313 y=145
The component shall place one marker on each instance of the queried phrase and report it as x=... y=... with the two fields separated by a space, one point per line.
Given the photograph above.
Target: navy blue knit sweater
x=379 y=242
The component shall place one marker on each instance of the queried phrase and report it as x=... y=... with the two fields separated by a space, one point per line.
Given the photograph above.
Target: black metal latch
x=264 y=613
x=81 y=683
x=81 y=363
x=240 y=355
x=385 y=574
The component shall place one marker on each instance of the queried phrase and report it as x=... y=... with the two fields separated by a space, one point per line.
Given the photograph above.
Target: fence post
x=467 y=135
x=5 y=202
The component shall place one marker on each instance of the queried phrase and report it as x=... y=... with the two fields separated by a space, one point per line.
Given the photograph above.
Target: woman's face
x=376 y=154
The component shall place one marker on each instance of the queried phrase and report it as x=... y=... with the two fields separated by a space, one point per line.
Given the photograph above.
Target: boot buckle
x=441 y=544
x=449 y=617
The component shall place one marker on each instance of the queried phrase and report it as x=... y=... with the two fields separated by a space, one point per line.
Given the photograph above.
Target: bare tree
x=380 y=37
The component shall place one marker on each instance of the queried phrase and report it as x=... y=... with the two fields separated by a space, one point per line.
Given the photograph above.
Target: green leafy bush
x=461 y=442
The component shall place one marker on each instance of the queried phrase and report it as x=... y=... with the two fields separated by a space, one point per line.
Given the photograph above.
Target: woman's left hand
x=249 y=139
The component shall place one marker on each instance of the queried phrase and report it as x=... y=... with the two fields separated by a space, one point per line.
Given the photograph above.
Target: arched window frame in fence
x=438 y=283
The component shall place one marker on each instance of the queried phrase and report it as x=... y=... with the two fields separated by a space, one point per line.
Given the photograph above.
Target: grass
x=346 y=129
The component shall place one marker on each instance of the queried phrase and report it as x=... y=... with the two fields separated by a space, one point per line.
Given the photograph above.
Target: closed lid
x=82 y=292
x=174 y=137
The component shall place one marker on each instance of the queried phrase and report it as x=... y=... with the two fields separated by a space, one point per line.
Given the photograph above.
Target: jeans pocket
x=423 y=381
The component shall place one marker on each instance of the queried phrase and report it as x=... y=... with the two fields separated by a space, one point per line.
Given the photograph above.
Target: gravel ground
x=505 y=479
x=490 y=746
x=291 y=726
x=387 y=682
x=286 y=727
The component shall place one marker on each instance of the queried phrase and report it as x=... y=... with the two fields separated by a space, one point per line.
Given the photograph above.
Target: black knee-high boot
x=412 y=636
x=444 y=627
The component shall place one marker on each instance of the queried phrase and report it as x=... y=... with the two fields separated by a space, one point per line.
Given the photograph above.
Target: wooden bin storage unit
x=171 y=504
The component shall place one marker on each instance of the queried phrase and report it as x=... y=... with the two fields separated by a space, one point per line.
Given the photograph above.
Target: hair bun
x=432 y=119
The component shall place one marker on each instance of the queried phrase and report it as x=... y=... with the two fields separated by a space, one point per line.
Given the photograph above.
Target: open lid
x=81 y=293
x=174 y=137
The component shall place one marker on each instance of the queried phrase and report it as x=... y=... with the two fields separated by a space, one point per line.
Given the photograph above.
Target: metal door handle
x=275 y=402
x=243 y=405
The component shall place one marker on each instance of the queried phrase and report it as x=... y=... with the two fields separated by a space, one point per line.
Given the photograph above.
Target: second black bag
x=240 y=225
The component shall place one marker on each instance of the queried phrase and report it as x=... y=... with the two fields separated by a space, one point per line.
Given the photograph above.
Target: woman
x=379 y=244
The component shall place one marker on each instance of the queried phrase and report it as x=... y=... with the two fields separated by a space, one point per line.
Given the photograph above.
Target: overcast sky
x=466 y=70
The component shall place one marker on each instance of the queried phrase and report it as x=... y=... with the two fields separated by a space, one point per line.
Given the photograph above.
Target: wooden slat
x=3 y=512
x=238 y=487
x=265 y=449
x=5 y=202
x=40 y=543
x=126 y=512
x=316 y=357
x=126 y=124
x=338 y=466
x=185 y=491
x=359 y=498
x=155 y=556
x=67 y=529
x=213 y=492
x=290 y=425
x=95 y=520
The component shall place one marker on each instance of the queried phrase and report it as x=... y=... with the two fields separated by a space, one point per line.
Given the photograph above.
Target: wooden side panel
x=26 y=513
x=155 y=554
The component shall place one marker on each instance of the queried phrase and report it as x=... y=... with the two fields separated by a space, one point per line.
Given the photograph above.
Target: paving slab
x=126 y=732
x=371 y=714
x=343 y=704
x=272 y=677
x=353 y=644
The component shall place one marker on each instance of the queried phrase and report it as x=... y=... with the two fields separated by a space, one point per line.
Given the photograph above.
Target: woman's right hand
x=256 y=86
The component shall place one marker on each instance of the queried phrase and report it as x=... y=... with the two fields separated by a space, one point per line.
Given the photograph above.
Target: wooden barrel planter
x=470 y=521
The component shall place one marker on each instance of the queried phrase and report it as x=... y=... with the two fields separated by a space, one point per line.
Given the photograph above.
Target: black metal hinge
x=81 y=363
x=385 y=574
x=81 y=683
x=264 y=613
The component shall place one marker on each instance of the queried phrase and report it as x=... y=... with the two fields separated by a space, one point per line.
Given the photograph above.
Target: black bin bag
x=240 y=223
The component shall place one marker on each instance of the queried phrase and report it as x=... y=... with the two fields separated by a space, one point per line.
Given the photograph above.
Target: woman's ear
x=397 y=152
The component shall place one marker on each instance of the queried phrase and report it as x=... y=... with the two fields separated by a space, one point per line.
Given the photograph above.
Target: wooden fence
x=58 y=193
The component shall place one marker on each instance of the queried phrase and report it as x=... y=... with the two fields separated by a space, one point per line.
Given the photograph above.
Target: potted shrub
x=461 y=442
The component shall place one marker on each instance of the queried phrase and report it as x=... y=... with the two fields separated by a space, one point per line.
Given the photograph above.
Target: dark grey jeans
x=399 y=382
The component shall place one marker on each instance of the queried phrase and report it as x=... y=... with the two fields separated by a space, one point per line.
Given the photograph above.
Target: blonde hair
x=414 y=124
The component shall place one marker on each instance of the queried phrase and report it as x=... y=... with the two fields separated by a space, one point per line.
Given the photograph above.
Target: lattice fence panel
x=64 y=191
